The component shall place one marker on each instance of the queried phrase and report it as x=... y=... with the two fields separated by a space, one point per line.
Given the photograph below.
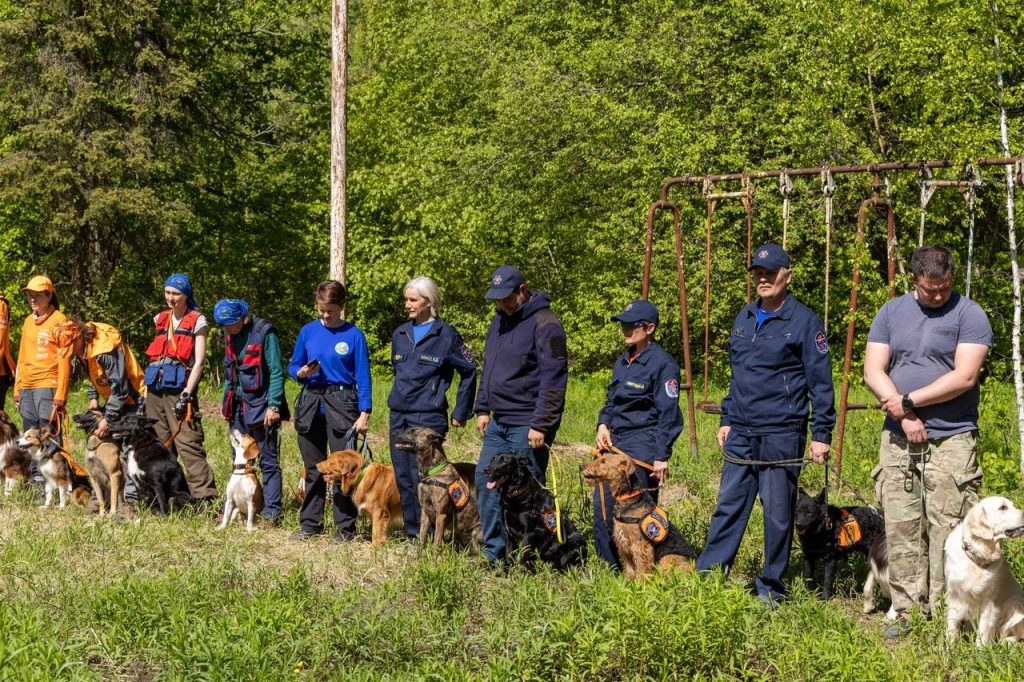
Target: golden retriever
x=980 y=588
x=372 y=488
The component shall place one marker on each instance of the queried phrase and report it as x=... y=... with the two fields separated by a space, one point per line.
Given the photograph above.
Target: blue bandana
x=228 y=311
x=183 y=284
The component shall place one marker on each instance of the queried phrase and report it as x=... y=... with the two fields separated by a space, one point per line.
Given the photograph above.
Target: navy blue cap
x=769 y=257
x=228 y=311
x=503 y=282
x=638 y=311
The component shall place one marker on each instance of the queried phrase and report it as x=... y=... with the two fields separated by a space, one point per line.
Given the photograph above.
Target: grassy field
x=85 y=598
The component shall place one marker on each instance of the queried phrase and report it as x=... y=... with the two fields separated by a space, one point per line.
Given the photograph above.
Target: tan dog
x=59 y=475
x=372 y=488
x=445 y=496
x=644 y=540
x=13 y=458
x=244 y=491
x=104 y=464
x=979 y=584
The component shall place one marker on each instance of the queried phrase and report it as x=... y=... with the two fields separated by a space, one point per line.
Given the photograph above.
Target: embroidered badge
x=497 y=280
x=398 y=357
x=341 y=348
x=672 y=388
x=459 y=493
x=821 y=343
x=655 y=525
x=629 y=307
x=468 y=354
x=763 y=253
x=550 y=520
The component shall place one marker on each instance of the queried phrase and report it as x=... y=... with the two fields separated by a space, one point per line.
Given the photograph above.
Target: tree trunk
x=339 y=180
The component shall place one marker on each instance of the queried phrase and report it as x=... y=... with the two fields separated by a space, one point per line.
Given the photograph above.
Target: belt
x=330 y=388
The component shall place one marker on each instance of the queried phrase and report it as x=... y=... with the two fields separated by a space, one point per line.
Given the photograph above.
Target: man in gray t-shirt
x=925 y=350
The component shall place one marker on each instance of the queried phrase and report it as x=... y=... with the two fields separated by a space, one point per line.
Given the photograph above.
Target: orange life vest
x=178 y=345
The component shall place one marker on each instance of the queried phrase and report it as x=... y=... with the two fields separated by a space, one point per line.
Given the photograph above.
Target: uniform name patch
x=636 y=385
x=821 y=343
x=432 y=359
x=672 y=388
x=399 y=357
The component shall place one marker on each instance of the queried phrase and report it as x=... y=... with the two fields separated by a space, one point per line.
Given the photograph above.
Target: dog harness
x=654 y=525
x=458 y=490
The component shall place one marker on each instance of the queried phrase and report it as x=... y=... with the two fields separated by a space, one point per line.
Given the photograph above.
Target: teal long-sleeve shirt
x=274 y=360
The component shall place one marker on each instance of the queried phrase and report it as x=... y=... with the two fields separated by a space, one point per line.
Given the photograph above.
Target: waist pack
x=655 y=526
x=165 y=377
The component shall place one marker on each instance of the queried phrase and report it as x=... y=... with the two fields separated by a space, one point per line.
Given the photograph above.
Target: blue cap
x=638 y=311
x=228 y=311
x=769 y=257
x=504 y=281
x=183 y=284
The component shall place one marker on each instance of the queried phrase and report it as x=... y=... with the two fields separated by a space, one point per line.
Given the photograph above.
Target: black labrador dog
x=530 y=519
x=159 y=480
x=830 y=533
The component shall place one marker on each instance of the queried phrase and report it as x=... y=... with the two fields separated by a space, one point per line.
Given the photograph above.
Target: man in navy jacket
x=779 y=359
x=522 y=390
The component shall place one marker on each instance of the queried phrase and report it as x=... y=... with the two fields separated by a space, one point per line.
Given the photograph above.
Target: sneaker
x=897 y=629
x=342 y=538
x=303 y=534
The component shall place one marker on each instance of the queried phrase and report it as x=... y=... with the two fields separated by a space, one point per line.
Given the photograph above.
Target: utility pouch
x=655 y=526
x=459 y=493
x=165 y=377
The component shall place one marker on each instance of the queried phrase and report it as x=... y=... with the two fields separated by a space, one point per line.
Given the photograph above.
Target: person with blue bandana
x=426 y=352
x=254 y=401
x=332 y=363
x=176 y=356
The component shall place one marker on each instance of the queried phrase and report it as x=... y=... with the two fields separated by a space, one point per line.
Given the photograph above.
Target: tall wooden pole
x=339 y=129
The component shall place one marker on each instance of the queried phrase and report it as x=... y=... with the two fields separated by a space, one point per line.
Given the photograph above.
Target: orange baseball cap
x=39 y=283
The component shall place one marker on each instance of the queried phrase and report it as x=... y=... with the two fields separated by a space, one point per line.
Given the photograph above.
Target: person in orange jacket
x=6 y=362
x=42 y=377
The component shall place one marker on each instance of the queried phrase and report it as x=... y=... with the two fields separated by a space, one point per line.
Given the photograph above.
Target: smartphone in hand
x=309 y=369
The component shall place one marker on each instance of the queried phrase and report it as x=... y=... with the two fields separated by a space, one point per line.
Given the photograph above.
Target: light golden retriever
x=980 y=588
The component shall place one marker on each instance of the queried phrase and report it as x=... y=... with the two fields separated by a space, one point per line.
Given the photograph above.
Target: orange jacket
x=38 y=364
x=6 y=362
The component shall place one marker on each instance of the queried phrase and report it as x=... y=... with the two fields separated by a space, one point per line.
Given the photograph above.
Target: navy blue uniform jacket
x=644 y=394
x=775 y=371
x=526 y=367
x=424 y=371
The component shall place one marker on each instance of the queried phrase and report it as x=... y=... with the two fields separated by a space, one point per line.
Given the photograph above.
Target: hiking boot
x=897 y=629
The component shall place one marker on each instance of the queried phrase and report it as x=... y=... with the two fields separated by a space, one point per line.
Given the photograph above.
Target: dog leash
x=186 y=417
x=554 y=493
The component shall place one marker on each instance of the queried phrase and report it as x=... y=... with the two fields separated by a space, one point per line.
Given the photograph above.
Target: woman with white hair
x=426 y=352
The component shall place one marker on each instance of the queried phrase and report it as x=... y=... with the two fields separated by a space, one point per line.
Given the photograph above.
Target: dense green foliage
x=139 y=138
x=175 y=599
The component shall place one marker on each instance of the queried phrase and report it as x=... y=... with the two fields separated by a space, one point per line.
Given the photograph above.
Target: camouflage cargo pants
x=918 y=520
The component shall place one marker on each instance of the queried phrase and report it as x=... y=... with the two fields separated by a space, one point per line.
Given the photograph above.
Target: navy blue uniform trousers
x=776 y=486
x=639 y=445
x=407 y=473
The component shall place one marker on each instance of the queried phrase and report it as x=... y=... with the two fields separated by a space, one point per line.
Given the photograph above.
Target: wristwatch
x=908 y=404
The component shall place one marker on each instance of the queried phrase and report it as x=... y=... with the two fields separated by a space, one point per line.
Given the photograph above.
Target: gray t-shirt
x=922 y=344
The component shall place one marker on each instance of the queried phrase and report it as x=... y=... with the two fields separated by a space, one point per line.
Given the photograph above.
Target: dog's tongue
x=491 y=485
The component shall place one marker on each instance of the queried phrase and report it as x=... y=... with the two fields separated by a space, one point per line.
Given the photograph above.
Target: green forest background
x=147 y=137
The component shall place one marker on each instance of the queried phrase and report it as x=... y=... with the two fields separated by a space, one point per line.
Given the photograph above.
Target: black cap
x=504 y=281
x=638 y=311
x=770 y=257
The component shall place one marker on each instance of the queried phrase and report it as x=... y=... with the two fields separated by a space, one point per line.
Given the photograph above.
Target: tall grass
x=176 y=599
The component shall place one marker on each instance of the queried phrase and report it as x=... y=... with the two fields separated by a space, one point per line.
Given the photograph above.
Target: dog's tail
x=878 y=563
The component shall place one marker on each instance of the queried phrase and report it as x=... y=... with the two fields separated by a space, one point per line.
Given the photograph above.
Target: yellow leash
x=554 y=493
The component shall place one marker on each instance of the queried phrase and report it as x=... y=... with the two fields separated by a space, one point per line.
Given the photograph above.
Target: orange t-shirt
x=38 y=364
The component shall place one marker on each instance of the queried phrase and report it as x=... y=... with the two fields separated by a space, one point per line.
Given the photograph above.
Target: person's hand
x=457 y=423
x=362 y=424
x=94 y=404
x=660 y=470
x=271 y=416
x=604 y=437
x=102 y=429
x=308 y=369
x=17 y=400
x=893 y=406
x=723 y=433
x=913 y=429
x=535 y=438
x=820 y=451
x=481 y=422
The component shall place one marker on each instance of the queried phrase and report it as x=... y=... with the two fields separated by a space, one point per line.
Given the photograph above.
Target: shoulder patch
x=821 y=343
x=672 y=388
x=557 y=347
x=467 y=353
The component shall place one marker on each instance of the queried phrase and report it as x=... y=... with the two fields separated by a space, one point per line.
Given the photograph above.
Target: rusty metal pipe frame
x=687 y=386
x=874 y=202
x=874 y=168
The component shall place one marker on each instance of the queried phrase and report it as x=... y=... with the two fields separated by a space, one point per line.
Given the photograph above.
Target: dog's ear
x=435 y=439
x=252 y=448
x=820 y=499
x=977 y=524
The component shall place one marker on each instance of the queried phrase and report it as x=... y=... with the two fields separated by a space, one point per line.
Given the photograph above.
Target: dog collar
x=518 y=492
x=436 y=470
x=359 y=478
x=972 y=554
x=628 y=496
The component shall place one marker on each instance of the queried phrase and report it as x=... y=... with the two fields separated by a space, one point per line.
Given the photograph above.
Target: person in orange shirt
x=6 y=362
x=42 y=378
